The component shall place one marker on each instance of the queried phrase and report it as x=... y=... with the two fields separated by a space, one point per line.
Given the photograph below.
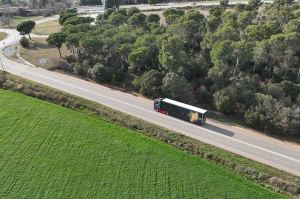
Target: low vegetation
x=241 y=61
x=41 y=54
x=3 y=35
x=48 y=152
x=250 y=169
x=47 y=28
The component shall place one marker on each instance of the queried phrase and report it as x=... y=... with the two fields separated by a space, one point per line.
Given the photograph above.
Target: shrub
x=153 y=18
x=225 y=100
x=285 y=185
x=151 y=82
x=132 y=10
x=297 y=13
x=61 y=64
x=24 y=42
x=174 y=86
x=81 y=69
x=100 y=73
x=136 y=82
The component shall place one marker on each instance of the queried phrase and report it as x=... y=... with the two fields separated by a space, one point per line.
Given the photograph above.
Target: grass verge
x=48 y=151
x=40 y=54
x=250 y=169
x=3 y=35
x=47 y=28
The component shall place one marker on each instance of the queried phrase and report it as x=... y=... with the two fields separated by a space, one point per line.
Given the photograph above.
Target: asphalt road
x=280 y=154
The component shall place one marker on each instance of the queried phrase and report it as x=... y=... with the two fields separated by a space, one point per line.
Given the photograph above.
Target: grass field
x=51 y=152
x=47 y=28
x=41 y=54
x=18 y=19
x=3 y=35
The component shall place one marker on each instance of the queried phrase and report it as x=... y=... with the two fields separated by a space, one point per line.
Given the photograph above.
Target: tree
x=281 y=3
x=259 y=32
x=117 y=19
x=91 y=47
x=153 y=18
x=172 y=14
x=221 y=57
x=190 y=28
x=283 y=50
x=253 y=5
x=57 y=39
x=290 y=89
x=66 y=15
x=100 y=73
x=26 y=27
x=265 y=114
x=292 y=26
x=114 y=4
x=151 y=83
x=106 y=14
x=244 y=19
x=261 y=56
x=72 y=42
x=78 y=20
x=224 y=4
x=137 y=20
x=24 y=42
x=140 y=60
x=225 y=100
x=177 y=87
x=133 y=10
x=242 y=55
x=172 y=55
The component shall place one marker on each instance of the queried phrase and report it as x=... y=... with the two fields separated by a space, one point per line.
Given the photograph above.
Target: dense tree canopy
x=242 y=61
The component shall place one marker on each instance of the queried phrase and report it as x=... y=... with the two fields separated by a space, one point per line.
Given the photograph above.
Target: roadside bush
x=100 y=73
x=61 y=64
x=2 y=79
x=24 y=42
x=174 y=86
x=136 y=83
x=225 y=100
x=70 y=58
x=285 y=185
x=81 y=69
x=151 y=82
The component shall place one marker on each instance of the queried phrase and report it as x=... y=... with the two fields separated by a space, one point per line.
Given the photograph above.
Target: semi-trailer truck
x=180 y=110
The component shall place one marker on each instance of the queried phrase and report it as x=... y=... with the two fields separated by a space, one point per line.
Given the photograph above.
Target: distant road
x=160 y=6
x=280 y=154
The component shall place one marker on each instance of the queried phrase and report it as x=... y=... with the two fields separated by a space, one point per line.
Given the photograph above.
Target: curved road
x=280 y=154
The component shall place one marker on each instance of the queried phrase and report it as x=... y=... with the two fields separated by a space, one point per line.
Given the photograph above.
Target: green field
x=52 y=152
